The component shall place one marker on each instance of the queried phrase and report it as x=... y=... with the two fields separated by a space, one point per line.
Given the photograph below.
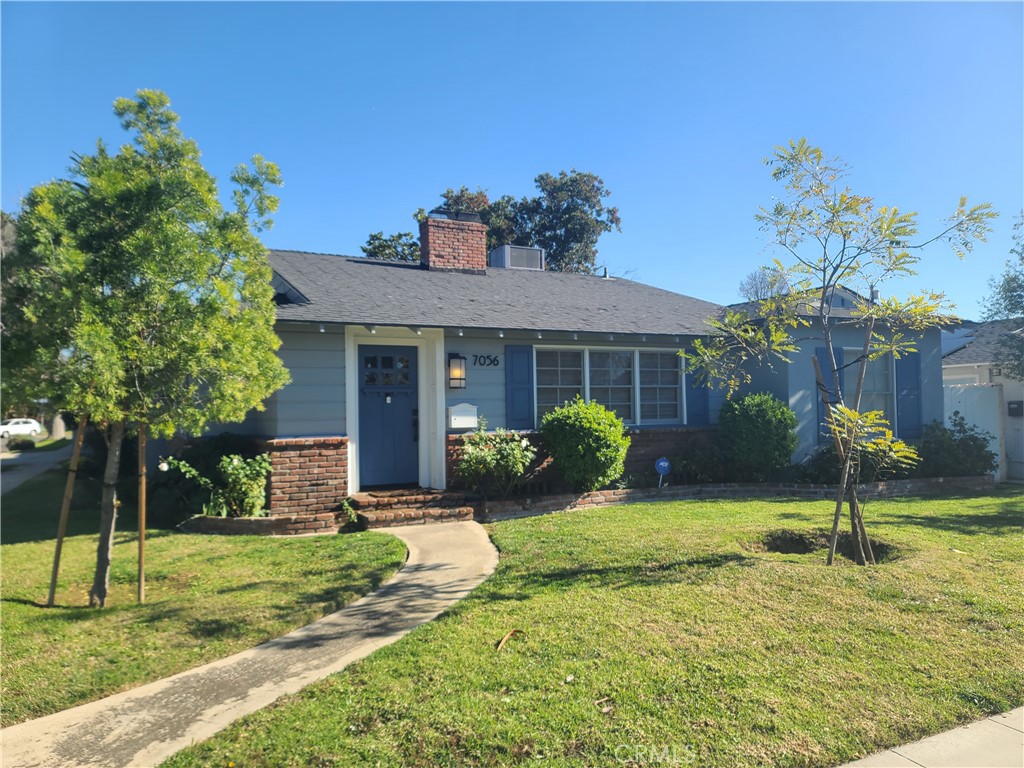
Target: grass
x=668 y=632
x=207 y=597
x=49 y=444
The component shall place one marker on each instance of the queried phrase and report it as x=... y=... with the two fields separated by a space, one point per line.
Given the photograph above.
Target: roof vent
x=516 y=257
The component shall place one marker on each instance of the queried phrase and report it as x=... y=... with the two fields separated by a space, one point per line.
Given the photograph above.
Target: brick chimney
x=458 y=246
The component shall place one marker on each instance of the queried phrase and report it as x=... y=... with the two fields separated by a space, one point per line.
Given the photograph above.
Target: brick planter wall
x=308 y=475
x=509 y=508
x=280 y=525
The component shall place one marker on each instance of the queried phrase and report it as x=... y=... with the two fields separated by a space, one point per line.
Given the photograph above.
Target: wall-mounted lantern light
x=456 y=371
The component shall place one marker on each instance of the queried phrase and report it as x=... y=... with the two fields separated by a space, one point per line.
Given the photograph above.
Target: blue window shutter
x=697 y=410
x=825 y=363
x=518 y=386
x=908 y=396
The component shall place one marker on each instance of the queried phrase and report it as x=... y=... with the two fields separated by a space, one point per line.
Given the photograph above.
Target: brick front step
x=385 y=518
x=406 y=499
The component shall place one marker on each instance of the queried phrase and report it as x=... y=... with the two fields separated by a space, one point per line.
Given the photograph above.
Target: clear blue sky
x=372 y=109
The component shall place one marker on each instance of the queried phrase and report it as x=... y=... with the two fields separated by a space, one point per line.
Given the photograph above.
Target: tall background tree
x=1006 y=302
x=566 y=219
x=764 y=283
x=141 y=302
x=834 y=238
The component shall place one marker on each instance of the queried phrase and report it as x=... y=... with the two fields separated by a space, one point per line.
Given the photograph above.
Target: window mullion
x=637 y=418
x=586 y=374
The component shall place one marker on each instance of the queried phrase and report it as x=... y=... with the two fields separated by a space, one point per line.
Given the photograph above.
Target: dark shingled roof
x=982 y=343
x=342 y=289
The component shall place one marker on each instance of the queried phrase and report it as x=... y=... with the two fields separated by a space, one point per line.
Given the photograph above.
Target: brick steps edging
x=387 y=518
x=491 y=511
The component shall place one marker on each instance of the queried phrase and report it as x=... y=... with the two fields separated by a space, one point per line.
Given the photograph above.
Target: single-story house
x=391 y=361
x=986 y=396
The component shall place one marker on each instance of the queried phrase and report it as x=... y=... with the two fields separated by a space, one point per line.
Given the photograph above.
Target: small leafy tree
x=835 y=239
x=588 y=443
x=758 y=436
x=142 y=303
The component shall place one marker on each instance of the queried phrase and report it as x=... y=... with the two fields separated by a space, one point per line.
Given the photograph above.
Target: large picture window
x=642 y=387
x=877 y=394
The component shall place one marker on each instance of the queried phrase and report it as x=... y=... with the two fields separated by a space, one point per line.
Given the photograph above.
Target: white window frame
x=636 y=421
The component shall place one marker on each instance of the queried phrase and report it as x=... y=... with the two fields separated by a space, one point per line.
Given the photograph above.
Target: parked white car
x=10 y=427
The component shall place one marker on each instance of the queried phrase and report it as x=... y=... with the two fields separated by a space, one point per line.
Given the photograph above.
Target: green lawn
x=666 y=632
x=207 y=597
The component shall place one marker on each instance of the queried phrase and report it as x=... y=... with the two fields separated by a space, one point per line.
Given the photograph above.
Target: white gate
x=983 y=406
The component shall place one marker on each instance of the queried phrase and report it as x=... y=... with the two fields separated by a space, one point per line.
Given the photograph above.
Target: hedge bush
x=957 y=451
x=588 y=444
x=21 y=444
x=758 y=436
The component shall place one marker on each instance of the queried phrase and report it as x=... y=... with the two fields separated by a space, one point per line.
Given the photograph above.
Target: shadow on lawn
x=1004 y=522
x=694 y=570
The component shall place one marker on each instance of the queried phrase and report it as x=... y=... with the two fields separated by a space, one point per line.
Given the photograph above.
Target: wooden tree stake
x=142 y=513
x=65 y=507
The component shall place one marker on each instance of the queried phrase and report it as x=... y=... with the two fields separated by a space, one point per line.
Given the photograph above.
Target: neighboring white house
x=976 y=385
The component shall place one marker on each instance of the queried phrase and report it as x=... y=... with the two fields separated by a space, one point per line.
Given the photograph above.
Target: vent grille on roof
x=516 y=257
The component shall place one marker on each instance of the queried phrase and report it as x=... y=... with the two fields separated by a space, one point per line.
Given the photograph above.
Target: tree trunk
x=108 y=517
x=855 y=539
x=58 y=431
x=862 y=531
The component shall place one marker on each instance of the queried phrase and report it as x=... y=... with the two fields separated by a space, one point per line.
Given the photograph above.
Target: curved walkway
x=146 y=725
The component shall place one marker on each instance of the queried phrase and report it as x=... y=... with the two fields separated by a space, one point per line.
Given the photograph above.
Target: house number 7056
x=486 y=360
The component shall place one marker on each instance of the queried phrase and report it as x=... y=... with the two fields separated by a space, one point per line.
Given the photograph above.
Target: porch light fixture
x=456 y=371
x=501 y=334
x=372 y=329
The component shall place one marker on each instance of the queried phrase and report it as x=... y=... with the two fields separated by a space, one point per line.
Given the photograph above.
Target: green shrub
x=700 y=460
x=495 y=460
x=958 y=451
x=21 y=444
x=823 y=467
x=588 y=443
x=239 y=488
x=758 y=436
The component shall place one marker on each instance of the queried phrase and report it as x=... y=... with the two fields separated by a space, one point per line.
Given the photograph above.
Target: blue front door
x=388 y=416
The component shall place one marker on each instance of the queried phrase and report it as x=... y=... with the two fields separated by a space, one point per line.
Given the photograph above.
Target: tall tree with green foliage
x=566 y=219
x=1006 y=302
x=145 y=303
x=833 y=239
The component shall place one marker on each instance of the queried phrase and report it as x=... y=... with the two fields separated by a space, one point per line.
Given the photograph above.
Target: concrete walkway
x=995 y=742
x=146 y=725
x=19 y=467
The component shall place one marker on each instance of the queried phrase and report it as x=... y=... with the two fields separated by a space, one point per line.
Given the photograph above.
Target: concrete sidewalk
x=995 y=742
x=146 y=725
